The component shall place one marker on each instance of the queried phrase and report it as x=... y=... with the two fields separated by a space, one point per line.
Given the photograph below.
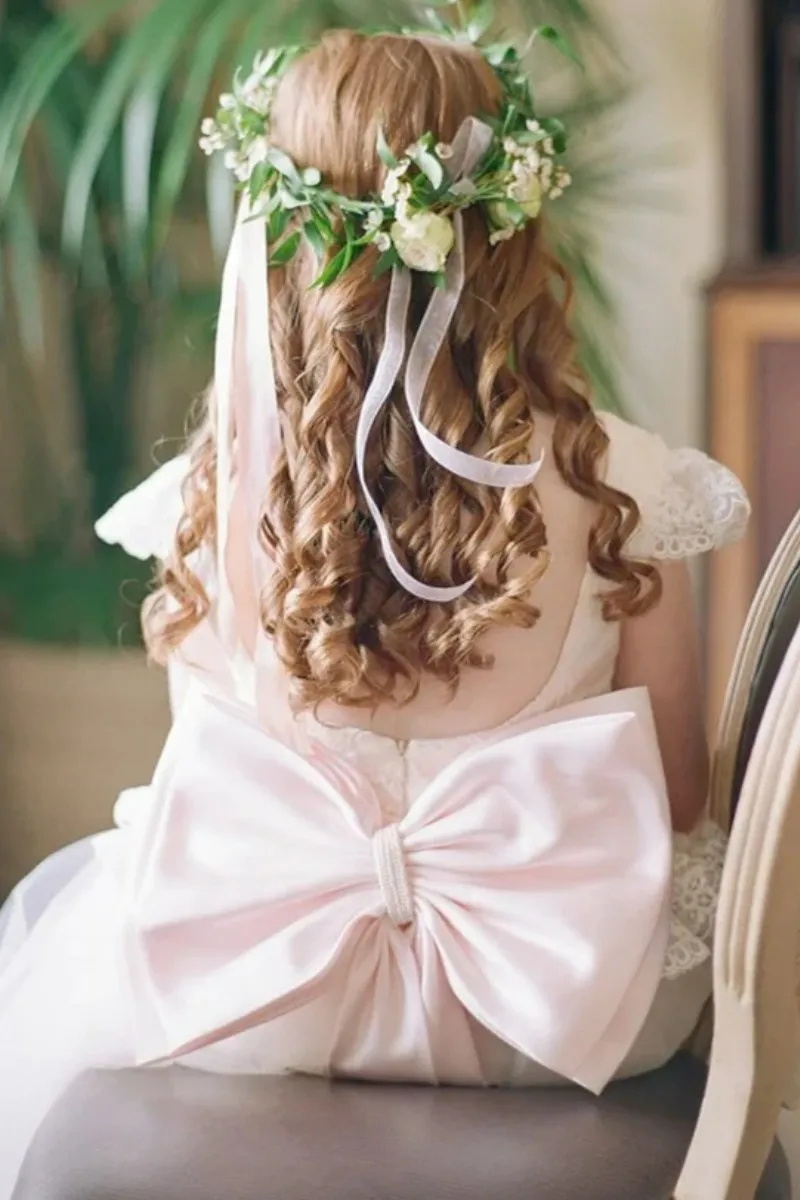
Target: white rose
x=423 y=241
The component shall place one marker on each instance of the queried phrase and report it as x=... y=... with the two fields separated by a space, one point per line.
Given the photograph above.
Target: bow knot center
x=392 y=875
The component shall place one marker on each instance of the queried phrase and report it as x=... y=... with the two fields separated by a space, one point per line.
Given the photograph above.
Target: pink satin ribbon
x=528 y=885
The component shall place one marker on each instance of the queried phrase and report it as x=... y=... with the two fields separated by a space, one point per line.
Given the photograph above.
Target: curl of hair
x=343 y=628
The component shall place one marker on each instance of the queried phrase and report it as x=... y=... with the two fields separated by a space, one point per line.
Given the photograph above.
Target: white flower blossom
x=512 y=147
x=383 y=242
x=503 y=234
x=444 y=151
x=257 y=152
x=236 y=161
x=532 y=126
x=526 y=191
x=391 y=187
x=257 y=96
x=402 y=209
x=228 y=101
x=533 y=158
x=213 y=138
x=373 y=220
x=423 y=241
x=548 y=146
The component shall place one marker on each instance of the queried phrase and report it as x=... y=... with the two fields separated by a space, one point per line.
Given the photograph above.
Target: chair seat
x=178 y=1134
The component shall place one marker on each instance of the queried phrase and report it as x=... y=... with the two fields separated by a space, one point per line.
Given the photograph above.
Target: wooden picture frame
x=753 y=428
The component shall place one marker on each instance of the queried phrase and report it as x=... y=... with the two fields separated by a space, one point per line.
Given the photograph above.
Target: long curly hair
x=343 y=628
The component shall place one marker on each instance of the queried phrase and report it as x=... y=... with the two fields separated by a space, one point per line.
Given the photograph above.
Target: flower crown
x=410 y=222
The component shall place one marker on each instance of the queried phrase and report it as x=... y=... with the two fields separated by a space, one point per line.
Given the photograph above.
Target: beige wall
x=659 y=261
x=658 y=258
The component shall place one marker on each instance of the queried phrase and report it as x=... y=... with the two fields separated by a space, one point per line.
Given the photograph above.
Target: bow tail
x=613 y=1045
x=179 y=1011
x=382 y=1030
x=580 y=1029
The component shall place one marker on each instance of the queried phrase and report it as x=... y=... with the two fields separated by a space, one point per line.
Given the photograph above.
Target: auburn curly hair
x=343 y=628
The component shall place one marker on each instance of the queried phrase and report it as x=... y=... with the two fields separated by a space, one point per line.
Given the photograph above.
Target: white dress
x=502 y=908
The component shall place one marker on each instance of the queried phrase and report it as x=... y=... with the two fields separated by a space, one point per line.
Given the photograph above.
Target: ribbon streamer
x=255 y=408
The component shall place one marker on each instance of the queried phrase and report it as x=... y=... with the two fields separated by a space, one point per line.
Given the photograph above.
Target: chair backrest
x=755 y=947
x=773 y=619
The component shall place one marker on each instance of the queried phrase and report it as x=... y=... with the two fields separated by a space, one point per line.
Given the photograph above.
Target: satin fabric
x=528 y=886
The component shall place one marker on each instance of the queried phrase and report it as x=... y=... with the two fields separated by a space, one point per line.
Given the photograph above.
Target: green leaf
x=499 y=55
x=24 y=270
x=278 y=224
x=315 y=240
x=165 y=24
x=330 y=271
x=178 y=153
x=38 y=71
x=139 y=129
x=558 y=41
x=387 y=261
x=433 y=18
x=60 y=139
x=337 y=265
x=258 y=180
x=286 y=251
x=283 y=165
x=289 y=199
x=480 y=20
x=429 y=164
x=384 y=152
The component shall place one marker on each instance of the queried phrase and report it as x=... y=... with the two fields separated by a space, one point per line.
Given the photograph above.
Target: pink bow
x=527 y=886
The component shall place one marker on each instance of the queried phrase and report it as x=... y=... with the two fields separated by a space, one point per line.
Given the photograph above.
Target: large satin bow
x=527 y=886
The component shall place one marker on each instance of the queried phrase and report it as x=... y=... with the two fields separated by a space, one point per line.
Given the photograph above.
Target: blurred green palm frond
x=100 y=108
x=119 y=125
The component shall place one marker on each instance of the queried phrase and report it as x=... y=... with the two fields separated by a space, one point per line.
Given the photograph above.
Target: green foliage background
x=98 y=163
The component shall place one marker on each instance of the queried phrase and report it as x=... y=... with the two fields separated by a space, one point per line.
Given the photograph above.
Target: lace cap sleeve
x=689 y=503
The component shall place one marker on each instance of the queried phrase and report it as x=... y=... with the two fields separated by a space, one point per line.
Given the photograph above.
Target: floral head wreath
x=411 y=221
x=506 y=165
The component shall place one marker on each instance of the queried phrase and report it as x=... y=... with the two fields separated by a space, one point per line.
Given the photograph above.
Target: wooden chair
x=756 y=781
x=176 y=1134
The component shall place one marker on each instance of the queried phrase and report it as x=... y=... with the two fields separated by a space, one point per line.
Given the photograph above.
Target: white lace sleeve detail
x=700 y=507
x=698 y=860
x=144 y=521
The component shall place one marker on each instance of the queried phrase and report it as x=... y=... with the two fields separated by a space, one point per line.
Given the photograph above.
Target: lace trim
x=701 y=507
x=697 y=873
